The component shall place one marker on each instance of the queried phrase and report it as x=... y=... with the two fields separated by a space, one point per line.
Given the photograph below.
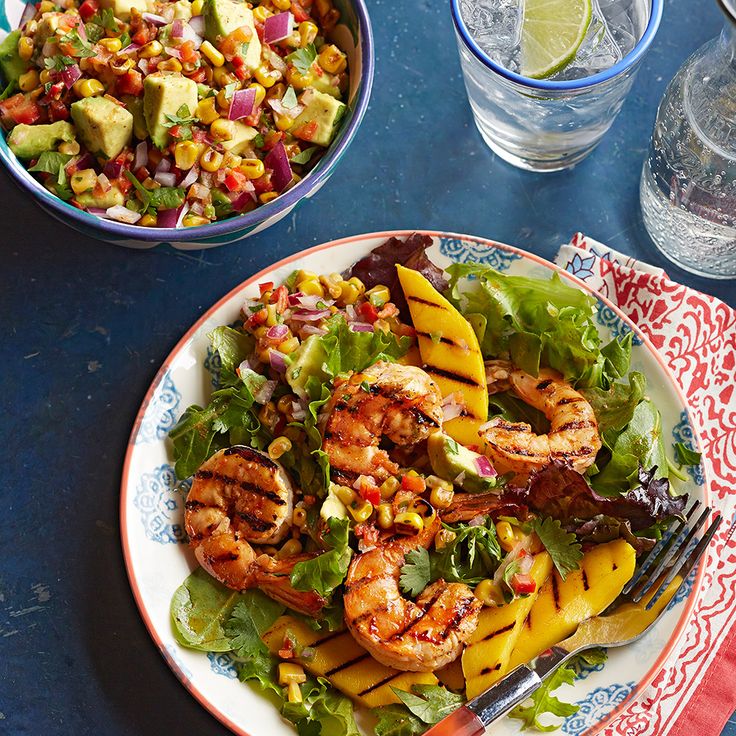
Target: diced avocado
x=332 y=507
x=317 y=123
x=121 y=8
x=182 y=10
x=307 y=361
x=164 y=94
x=11 y=65
x=454 y=462
x=134 y=106
x=326 y=84
x=30 y=141
x=243 y=135
x=222 y=17
x=108 y=199
x=103 y=126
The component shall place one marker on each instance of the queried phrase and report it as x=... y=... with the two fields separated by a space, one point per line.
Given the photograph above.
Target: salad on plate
x=165 y=113
x=407 y=482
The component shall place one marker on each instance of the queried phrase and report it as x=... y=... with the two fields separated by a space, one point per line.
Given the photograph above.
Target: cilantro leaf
x=80 y=48
x=164 y=198
x=289 y=99
x=563 y=547
x=303 y=59
x=416 y=572
x=686 y=455
x=396 y=720
x=259 y=141
x=50 y=162
x=303 y=157
x=182 y=117
x=543 y=701
x=469 y=558
x=429 y=703
x=58 y=63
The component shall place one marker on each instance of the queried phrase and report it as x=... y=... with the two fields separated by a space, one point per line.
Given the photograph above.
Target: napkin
x=695 y=692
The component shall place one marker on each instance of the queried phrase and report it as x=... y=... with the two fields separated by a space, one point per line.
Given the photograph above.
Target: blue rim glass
x=570 y=85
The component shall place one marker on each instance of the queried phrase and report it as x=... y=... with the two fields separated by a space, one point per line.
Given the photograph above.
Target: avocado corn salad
x=172 y=114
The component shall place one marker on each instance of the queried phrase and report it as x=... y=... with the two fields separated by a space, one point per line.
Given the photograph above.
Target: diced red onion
x=350 y=313
x=130 y=48
x=526 y=562
x=277 y=360
x=280 y=109
x=70 y=75
x=197 y=208
x=484 y=467
x=241 y=104
x=165 y=178
x=123 y=214
x=310 y=301
x=459 y=479
x=298 y=411
x=141 y=155
x=277 y=27
x=197 y=24
x=163 y=165
x=182 y=214
x=98 y=211
x=190 y=178
x=264 y=394
x=274 y=59
x=143 y=65
x=48 y=49
x=477 y=520
x=199 y=191
x=29 y=11
x=167 y=218
x=294 y=299
x=313 y=330
x=157 y=20
x=113 y=169
x=278 y=162
x=104 y=182
x=363 y=480
x=245 y=197
x=177 y=28
x=85 y=161
x=361 y=327
x=277 y=332
x=81 y=30
x=171 y=51
x=310 y=315
x=189 y=34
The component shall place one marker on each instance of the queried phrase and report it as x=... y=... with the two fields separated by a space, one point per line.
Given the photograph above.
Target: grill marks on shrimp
x=227 y=480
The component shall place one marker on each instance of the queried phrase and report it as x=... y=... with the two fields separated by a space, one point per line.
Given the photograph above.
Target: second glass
x=545 y=124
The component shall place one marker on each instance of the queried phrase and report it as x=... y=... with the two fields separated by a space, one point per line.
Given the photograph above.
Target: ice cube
x=495 y=26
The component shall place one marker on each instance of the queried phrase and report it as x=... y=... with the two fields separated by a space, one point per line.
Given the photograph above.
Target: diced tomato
x=370 y=492
x=232 y=43
x=368 y=312
x=280 y=298
x=307 y=131
x=142 y=37
x=298 y=12
x=19 y=109
x=141 y=173
x=240 y=72
x=235 y=181
x=265 y=286
x=254 y=119
x=124 y=184
x=271 y=139
x=263 y=184
x=130 y=83
x=257 y=318
x=188 y=52
x=58 y=111
x=368 y=533
x=198 y=76
x=413 y=483
x=88 y=8
x=388 y=310
x=287 y=648
x=175 y=131
x=522 y=584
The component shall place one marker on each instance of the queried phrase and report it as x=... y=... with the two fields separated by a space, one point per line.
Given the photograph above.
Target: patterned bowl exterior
x=353 y=34
x=152 y=502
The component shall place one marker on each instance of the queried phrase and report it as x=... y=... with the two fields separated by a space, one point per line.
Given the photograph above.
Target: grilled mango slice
x=486 y=658
x=452 y=677
x=339 y=658
x=450 y=353
x=563 y=604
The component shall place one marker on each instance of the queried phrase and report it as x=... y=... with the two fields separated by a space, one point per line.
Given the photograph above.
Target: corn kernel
x=206 y=110
x=302 y=275
x=443 y=538
x=222 y=77
x=385 y=515
x=222 y=129
x=360 y=510
x=267 y=197
x=278 y=447
x=289 y=345
x=195 y=221
x=488 y=593
x=253 y=168
x=378 y=295
x=423 y=508
x=294 y=693
x=120 y=66
x=210 y=160
x=151 y=49
x=267 y=78
x=408 y=522
x=345 y=494
x=260 y=92
x=506 y=536
x=272 y=318
x=310 y=287
x=212 y=53
x=332 y=60
x=441 y=497
x=389 y=487
x=170 y=65
x=291 y=548
x=283 y=122
x=45 y=76
x=298 y=80
x=299 y=517
x=113 y=45
x=83 y=181
x=46 y=6
x=268 y=415
x=28 y=81
x=197 y=7
x=88 y=88
x=25 y=47
x=186 y=154
x=307 y=33
x=261 y=13
x=333 y=283
x=148 y=221
x=69 y=148
x=291 y=672
x=348 y=294
x=282 y=5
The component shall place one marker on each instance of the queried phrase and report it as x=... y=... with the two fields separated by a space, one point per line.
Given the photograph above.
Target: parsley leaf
x=304 y=156
x=563 y=547
x=396 y=720
x=303 y=59
x=289 y=99
x=416 y=572
x=429 y=703
x=685 y=455
x=543 y=701
x=80 y=48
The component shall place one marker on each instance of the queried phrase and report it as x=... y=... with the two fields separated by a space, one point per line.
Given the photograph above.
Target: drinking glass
x=546 y=124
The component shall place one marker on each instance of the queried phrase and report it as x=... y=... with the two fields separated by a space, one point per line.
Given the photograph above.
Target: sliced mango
x=339 y=658
x=450 y=353
x=486 y=658
x=563 y=604
x=451 y=676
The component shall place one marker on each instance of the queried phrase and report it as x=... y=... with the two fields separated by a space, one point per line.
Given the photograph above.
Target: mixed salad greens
x=172 y=113
x=278 y=368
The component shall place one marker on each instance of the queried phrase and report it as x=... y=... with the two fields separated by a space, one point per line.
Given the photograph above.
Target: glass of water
x=550 y=123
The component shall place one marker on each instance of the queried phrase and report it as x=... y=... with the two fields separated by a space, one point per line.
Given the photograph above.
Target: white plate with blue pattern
x=152 y=503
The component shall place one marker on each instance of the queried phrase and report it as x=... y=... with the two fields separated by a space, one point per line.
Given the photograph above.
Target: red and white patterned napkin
x=695 y=693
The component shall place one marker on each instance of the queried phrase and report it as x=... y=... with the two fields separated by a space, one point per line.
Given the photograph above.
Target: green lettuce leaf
x=544 y=702
x=614 y=407
x=429 y=703
x=685 y=455
x=323 y=711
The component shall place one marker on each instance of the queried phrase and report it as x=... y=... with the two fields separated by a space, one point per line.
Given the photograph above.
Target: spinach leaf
x=397 y=720
x=614 y=407
x=51 y=162
x=233 y=346
x=165 y=198
x=686 y=455
x=429 y=703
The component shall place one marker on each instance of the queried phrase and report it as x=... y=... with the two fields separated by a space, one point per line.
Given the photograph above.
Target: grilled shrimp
x=398 y=402
x=573 y=437
x=421 y=635
x=240 y=497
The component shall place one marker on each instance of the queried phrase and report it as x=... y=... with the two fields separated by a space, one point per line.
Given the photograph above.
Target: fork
x=640 y=605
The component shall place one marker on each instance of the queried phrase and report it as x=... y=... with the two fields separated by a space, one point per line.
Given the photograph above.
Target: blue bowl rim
x=572 y=85
x=232 y=225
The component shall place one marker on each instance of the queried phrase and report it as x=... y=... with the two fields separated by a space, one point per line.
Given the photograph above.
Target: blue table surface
x=86 y=326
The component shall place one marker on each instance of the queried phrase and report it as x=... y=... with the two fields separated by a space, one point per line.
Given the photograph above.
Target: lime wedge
x=551 y=34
